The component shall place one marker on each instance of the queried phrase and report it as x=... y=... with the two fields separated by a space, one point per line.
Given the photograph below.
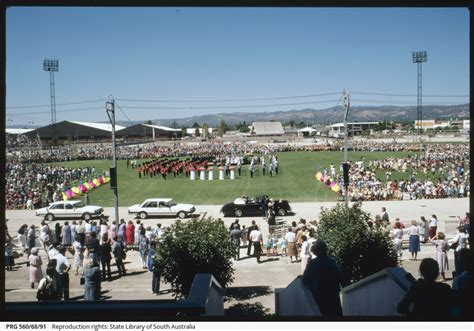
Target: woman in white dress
x=441 y=253
x=304 y=253
x=78 y=254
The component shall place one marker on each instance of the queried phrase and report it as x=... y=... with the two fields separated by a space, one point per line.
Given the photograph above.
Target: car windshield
x=171 y=203
x=79 y=204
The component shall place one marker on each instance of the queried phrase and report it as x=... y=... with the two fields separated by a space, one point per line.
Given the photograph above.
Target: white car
x=161 y=207
x=69 y=209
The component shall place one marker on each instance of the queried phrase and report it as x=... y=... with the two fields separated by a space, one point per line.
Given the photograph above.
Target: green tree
x=197 y=246
x=222 y=128
x=196 y=131
x=357 y=251
x=195 y=125
x=184 y=131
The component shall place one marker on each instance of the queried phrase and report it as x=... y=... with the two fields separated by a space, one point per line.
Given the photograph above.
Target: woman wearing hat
x=35 y=267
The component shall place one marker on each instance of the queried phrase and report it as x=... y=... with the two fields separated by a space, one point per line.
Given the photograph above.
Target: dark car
x=250 y=207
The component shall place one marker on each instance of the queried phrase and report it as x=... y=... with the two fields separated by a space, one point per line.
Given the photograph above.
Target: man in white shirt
x=256 y=238
x=62 y=267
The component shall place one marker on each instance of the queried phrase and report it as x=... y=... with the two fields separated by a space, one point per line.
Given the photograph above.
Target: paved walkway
x=254 y=284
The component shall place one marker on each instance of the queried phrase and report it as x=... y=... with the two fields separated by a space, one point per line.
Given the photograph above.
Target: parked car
x=250 y=207
x=69 y=209
x=161 y=207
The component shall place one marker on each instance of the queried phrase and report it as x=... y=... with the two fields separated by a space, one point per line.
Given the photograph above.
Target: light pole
x=52 y=66
x=345 y=165
x=110 y=109
x=419 y=58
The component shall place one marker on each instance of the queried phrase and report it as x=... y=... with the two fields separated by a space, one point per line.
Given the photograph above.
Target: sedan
x=161 y=207
x=69 y=209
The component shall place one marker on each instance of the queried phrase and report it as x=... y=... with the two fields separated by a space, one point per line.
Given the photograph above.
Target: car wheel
x=49 y=217
x=238 y=213
x=281 y=212
x=86 y=216
x=143 y=215
x=182 y=214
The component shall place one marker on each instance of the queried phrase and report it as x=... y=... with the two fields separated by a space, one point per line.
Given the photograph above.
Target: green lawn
x=295 y=182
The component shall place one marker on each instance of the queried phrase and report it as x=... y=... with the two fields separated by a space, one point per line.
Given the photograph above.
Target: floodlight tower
x=52 y=66
x=419 y=58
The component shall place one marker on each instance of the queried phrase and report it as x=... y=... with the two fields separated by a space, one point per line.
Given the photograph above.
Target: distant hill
x=322 y=116
x=326 y=116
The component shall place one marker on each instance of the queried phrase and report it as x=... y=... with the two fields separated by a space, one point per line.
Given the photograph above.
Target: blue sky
x=228 y=53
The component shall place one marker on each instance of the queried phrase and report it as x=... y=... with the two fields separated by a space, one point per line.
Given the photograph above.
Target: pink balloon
x=83 y=188
x=91 y=183
x=69 y=193
x=100 y=179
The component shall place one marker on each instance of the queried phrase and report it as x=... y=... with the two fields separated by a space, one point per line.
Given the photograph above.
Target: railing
x=205 y=299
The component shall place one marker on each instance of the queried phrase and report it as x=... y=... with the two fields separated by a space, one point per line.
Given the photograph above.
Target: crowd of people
x=15 y=141
x=85 y=247
x=32 y=186
x=449 y=164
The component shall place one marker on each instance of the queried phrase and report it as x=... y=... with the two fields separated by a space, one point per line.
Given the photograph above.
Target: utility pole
x=110 y=109
x=345 y=165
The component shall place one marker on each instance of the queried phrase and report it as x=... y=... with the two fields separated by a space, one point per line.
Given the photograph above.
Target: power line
x=58 y=104
x=59 y=111
x=414 y=95
x=123 y=113
x=232 y=107
x=434 y=103
x=235 y=100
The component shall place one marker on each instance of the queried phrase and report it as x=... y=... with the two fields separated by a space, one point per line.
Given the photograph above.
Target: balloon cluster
x=328 y=180
x=84 y=187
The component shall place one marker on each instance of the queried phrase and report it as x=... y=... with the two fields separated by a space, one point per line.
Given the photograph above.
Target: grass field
x=295 y=182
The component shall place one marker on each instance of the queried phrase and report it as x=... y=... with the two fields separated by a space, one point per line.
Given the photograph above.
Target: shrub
x=192 y=247
x=357 y=251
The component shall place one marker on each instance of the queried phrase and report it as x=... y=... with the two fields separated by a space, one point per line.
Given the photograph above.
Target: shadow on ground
x=246 y=293
x=247 y=309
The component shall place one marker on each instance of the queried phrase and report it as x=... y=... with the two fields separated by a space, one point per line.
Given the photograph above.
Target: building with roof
x=267 y=129
x=308 y=132
x=353 y=128
x=148 y=132
x=75 y=131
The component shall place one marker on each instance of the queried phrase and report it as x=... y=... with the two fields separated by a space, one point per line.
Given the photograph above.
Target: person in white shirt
x=433 y=226
x=62 y=267
x=304 y=253
x=460 y=241
x=290 y=238
x=414 y=242
x=256 y=238
x=397 y=239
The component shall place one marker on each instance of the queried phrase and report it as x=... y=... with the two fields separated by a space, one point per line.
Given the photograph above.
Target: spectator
x=235 y=235
x=92 y=280
x=433 y=226
x=457 y=243
x=323 y=277
x=257 y=241
x=62 y=267
x=119 y=255
x=36 y=274
x=50 y=286
x=463 y=287
x=442 y=247
x=414 y=240
x=430 y=300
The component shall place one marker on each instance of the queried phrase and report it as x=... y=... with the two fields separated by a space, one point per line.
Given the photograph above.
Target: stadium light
x=52 y=65
x=418 y=58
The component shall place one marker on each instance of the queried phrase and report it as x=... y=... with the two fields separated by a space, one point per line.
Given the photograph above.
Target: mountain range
x=323 y=116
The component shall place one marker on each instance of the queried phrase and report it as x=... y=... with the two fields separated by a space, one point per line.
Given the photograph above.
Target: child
x=268 y=245
x=9 y=260
x=283 y=247
x=274 y=245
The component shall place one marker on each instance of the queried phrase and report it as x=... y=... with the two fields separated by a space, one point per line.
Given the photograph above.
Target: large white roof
x=165 y=128
x=17 y=131
x=100 y=126
x=307 y=129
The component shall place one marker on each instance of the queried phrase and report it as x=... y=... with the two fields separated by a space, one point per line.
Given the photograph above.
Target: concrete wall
x=295 y=300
